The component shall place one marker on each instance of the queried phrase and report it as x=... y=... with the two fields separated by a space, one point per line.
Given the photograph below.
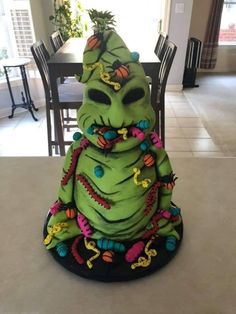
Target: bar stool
x=27 y=102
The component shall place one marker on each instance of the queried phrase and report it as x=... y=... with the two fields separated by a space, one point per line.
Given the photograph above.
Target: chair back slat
x=165 y=66
x=159 y=48
x=56 y=41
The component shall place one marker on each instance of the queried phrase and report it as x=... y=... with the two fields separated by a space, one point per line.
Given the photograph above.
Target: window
x=139 y=18
x=227 y=34
x=16 y=30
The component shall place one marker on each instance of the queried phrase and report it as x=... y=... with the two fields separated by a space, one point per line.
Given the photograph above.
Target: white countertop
x=201 y=279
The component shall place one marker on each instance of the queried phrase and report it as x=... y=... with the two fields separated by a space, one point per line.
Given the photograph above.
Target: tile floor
x=200 y=122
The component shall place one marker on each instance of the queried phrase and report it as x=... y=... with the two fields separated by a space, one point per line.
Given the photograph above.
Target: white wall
x=41 y=10
x=179 y=33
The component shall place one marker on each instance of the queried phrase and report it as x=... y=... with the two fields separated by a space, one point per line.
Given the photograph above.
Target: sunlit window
x=16 y=30
x=137 y=22
x=228 y=24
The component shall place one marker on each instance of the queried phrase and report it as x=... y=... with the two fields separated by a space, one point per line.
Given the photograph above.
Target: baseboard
x=6 y=111
x=174 y=88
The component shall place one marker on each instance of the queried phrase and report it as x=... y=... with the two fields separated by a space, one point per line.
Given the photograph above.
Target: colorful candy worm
x=134 y=252
x=74 y=252
x=62 y=249
x=150 y=232
x=84 y=225
x=123 y=132
x=55 y=207
x=145 y=262
x=156 y=140
x=105 y=244
x=75 y=155
x=145 y=182
x=91 y=245
x=151 y=197
x=137 y=133
x=92 y=193
x=105 y=76
x=53 y=230
x=103 y=143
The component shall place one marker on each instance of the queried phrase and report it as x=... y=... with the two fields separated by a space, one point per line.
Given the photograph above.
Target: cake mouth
x=107 y=136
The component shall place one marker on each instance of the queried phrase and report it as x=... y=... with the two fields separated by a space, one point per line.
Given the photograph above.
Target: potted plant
x=70 y=24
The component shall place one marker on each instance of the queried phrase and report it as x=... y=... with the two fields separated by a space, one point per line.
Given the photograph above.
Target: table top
x=73 y=48
x=15 y=62
x=200 y=279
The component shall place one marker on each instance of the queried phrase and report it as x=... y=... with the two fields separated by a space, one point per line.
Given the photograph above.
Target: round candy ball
x=134 y=56
x=171 y=243
x=144 y=145
x=77 y=136
x=108 y=256
x=98 y=171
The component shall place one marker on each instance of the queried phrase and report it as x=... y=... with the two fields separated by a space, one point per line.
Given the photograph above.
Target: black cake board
x=119 y=270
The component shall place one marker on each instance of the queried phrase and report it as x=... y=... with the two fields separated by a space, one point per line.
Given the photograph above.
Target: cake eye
x=99 y=97
x=133 y=95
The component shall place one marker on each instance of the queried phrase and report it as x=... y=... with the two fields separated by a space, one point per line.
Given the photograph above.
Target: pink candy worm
x=84 y=225
x=156 y=140
x=134 y=252
x=55 y=207
x=137 y=133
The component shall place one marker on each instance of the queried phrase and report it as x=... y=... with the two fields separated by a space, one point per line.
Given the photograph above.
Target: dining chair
x=159 y=52
x=56 y=40
x=70 y=97
x=165 y=66
x=160 y=45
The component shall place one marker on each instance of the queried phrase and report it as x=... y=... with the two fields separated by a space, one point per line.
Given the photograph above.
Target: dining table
x=200 y=279
x=68 y=61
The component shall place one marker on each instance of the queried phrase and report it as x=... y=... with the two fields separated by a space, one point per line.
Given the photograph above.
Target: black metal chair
x=166 y=63
x=70 y=97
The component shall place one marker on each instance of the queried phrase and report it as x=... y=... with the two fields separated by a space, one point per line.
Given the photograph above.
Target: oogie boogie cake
x=114 y=219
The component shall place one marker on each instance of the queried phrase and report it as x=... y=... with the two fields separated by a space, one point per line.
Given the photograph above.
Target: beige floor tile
x=189 y=122
x=176 y=96
x=171 y=122
x=169 y=113
x=180 y=154
x=177 y=145
x=195 y=133
x=185 y=113
x=203 y=145
x=208 y=154
x=168 y=105
x=180 y=105
x=12 y=123
x=173 y=132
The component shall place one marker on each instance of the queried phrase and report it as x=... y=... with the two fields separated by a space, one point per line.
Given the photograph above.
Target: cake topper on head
x=102 y=20
x=114 y=219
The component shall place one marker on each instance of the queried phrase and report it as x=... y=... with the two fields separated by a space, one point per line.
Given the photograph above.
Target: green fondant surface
x=107 y=107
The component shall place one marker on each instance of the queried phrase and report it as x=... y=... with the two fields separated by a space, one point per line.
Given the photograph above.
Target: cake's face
x=105 y=108
x=116 y=101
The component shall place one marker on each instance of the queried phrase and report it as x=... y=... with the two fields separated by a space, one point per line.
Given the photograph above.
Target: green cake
x=114 y=219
